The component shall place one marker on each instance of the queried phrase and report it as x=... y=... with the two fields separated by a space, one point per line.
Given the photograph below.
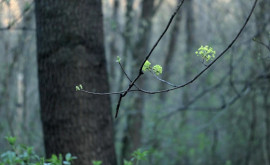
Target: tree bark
x=71 y=51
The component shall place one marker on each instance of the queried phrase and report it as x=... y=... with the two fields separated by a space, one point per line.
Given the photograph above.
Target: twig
x=100 y=93
x=13 y=23
x=262 y=43
x=125 y=73
x=208 y=66
x=132 y=83
x=147 y=57
x=164 y=81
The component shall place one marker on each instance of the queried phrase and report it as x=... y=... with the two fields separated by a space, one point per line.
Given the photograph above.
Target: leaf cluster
x=157 y=69
x=206 y=52
x=25 y=155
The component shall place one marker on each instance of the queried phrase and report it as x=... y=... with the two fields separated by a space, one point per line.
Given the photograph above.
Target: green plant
x=118 y=59
x=146 y=66
x=97 y=162
x=206 y=52
x=79 y=87
x=127 y=162
x=139 y=155
x=157 y=69
x=24 y=155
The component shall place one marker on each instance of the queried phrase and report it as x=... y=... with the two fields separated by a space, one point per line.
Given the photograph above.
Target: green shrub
x=24 y=155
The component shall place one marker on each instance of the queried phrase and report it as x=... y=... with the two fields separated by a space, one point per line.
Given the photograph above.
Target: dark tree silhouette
x=71 y=51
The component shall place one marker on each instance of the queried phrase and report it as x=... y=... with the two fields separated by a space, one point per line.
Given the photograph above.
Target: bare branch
x=262 y=43
x=218 y=57
x=15 y=21
x=132 y=83
x=148 y=56
x=164 y=81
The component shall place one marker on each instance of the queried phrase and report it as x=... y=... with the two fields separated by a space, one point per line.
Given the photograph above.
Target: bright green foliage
x=69 y=157
x=79 y=87
x=56 y=160
x=24 y=155
x=127 y=162
x=97 y=162
x=118 y=59
x=140 y=155
x=11 y=140
x=137 y=156
x=206 y=52
x=146 y=66
x=157 y=69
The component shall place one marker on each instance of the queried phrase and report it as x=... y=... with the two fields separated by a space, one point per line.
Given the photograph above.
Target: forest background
x=221 y=118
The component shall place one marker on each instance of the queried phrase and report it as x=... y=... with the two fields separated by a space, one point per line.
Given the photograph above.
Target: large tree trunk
x=71 y=51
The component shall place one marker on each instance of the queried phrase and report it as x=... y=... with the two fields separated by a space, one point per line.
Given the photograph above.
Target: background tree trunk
x=132 y=137
x=71 y=51
x=172 y=47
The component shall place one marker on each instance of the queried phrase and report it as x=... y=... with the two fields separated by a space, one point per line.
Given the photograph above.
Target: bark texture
x=71 y=51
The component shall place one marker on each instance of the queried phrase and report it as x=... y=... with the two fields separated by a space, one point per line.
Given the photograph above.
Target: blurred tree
x=132 y=137
x=71 y=51
x=113 y=45
x=172 y=48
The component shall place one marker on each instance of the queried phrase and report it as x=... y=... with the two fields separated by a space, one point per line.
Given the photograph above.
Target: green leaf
x=11 y=140
x=81 y=87
x=206 y=52
x=157 y=69
x=68 y=156
x=118 y=59
x=97 y=162
x=139 y=155
x=146 y=66
x=127 y=162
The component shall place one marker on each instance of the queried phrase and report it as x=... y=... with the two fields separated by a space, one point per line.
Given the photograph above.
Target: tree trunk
x=252 y=128
x=71 y=51
x=127 y=36
x=113 y=44
x=172 y=47
x=132 y=137
x=190 y=43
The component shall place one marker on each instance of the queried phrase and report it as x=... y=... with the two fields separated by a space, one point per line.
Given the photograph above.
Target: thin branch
x=148 y=56
x=208 y=66
x=125 y=73
x=100 y=93
x=262 y=43
x=248 y=84
x=111 y=93
x=219 y=108
x=17 y=29
x=15 y=21
x=118 y=105
x=132 y=83
x=164 y=81
x=161 y=36
x=231 y=76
